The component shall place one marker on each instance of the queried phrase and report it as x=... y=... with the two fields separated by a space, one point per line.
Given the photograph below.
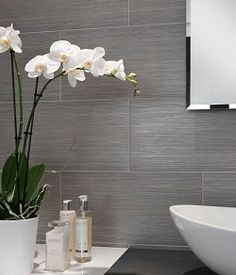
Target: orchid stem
x=15 y=122
x=14 y=96
x=32 y=121
x=30 y=133
x=36 y=101
x=19 y=136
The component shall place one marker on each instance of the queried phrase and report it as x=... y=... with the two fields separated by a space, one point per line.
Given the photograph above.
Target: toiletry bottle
x=83 y=247
x=69 y=215
x=57 y=247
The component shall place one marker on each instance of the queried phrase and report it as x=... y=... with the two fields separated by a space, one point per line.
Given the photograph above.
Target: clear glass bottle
x=83 y=245
x=57 y=247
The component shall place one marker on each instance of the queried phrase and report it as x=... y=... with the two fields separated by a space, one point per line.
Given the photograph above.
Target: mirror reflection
x=211 y=54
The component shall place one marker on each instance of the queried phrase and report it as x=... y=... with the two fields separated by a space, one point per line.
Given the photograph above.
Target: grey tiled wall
x=134 y=157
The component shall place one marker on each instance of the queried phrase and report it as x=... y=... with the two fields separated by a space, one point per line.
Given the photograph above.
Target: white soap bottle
x=57 y=247
x=83 y=247
x=69 y=215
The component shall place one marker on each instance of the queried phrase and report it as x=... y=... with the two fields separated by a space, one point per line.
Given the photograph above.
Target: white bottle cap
x=58 y=223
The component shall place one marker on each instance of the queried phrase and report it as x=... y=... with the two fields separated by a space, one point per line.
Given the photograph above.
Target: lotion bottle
x=83 y=246
x=57 y=247
x=69 y=215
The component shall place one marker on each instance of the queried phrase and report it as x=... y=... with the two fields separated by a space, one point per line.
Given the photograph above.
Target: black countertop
x=136 y=261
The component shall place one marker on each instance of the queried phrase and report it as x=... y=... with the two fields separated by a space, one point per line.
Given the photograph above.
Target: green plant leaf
x=8 y=174
x=3 y=213
x=4 y=196
x=23 y=174
x=36 y=202
x=40 y=195
x=18 y=190
x=10 y=211
x=34 y=177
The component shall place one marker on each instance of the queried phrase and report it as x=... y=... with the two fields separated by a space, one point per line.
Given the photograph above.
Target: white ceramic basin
x=210 y=232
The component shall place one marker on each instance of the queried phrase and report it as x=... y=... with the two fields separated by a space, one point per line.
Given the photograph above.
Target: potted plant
x=21 y=190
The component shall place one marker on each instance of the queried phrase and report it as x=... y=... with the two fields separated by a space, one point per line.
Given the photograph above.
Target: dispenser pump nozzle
x=83 y=202
x=67 y=205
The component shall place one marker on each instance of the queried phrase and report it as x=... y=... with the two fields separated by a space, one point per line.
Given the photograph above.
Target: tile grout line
x=128 y=12
x=86 y=99
x=202 y=188
x=60 y=184
x=148 y=172
x=76 y=29
x=152 y=172
x=68 y=100
x=129 y=135
x=108 y=27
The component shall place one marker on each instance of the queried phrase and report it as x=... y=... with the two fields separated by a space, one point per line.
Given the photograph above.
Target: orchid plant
x=21 y=192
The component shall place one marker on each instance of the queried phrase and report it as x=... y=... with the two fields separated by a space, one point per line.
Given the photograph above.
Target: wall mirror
x=211 y=54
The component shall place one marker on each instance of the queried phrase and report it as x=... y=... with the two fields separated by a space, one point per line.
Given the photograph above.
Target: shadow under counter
x=139 y=261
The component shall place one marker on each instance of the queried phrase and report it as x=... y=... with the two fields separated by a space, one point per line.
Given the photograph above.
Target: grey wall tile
x=156 y=54
x=166 y=137
x=53 y=133
x=101 y=136
x=34 y=15
x=51 y=204
x=6 y=132
x=98 y=131
x=219 y=189
x=33 y=44
x=133 y=208
x=81 y=135
x=157 y=11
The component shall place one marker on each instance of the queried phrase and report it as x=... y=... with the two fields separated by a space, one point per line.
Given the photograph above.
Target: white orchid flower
x=116 y=68
x=9 y=39
x=93 y=61
x=68 y=54
x=74 y=75
x=42 y=64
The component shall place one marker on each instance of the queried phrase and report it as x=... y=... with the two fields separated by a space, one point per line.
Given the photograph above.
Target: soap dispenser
x=69 y=215
x=83 y=246
x=57 y=247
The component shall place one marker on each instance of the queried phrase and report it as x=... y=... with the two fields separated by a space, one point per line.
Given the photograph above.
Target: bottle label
x=69 y=229
x=82 y=236
x=55 y=254
x=55 y=245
